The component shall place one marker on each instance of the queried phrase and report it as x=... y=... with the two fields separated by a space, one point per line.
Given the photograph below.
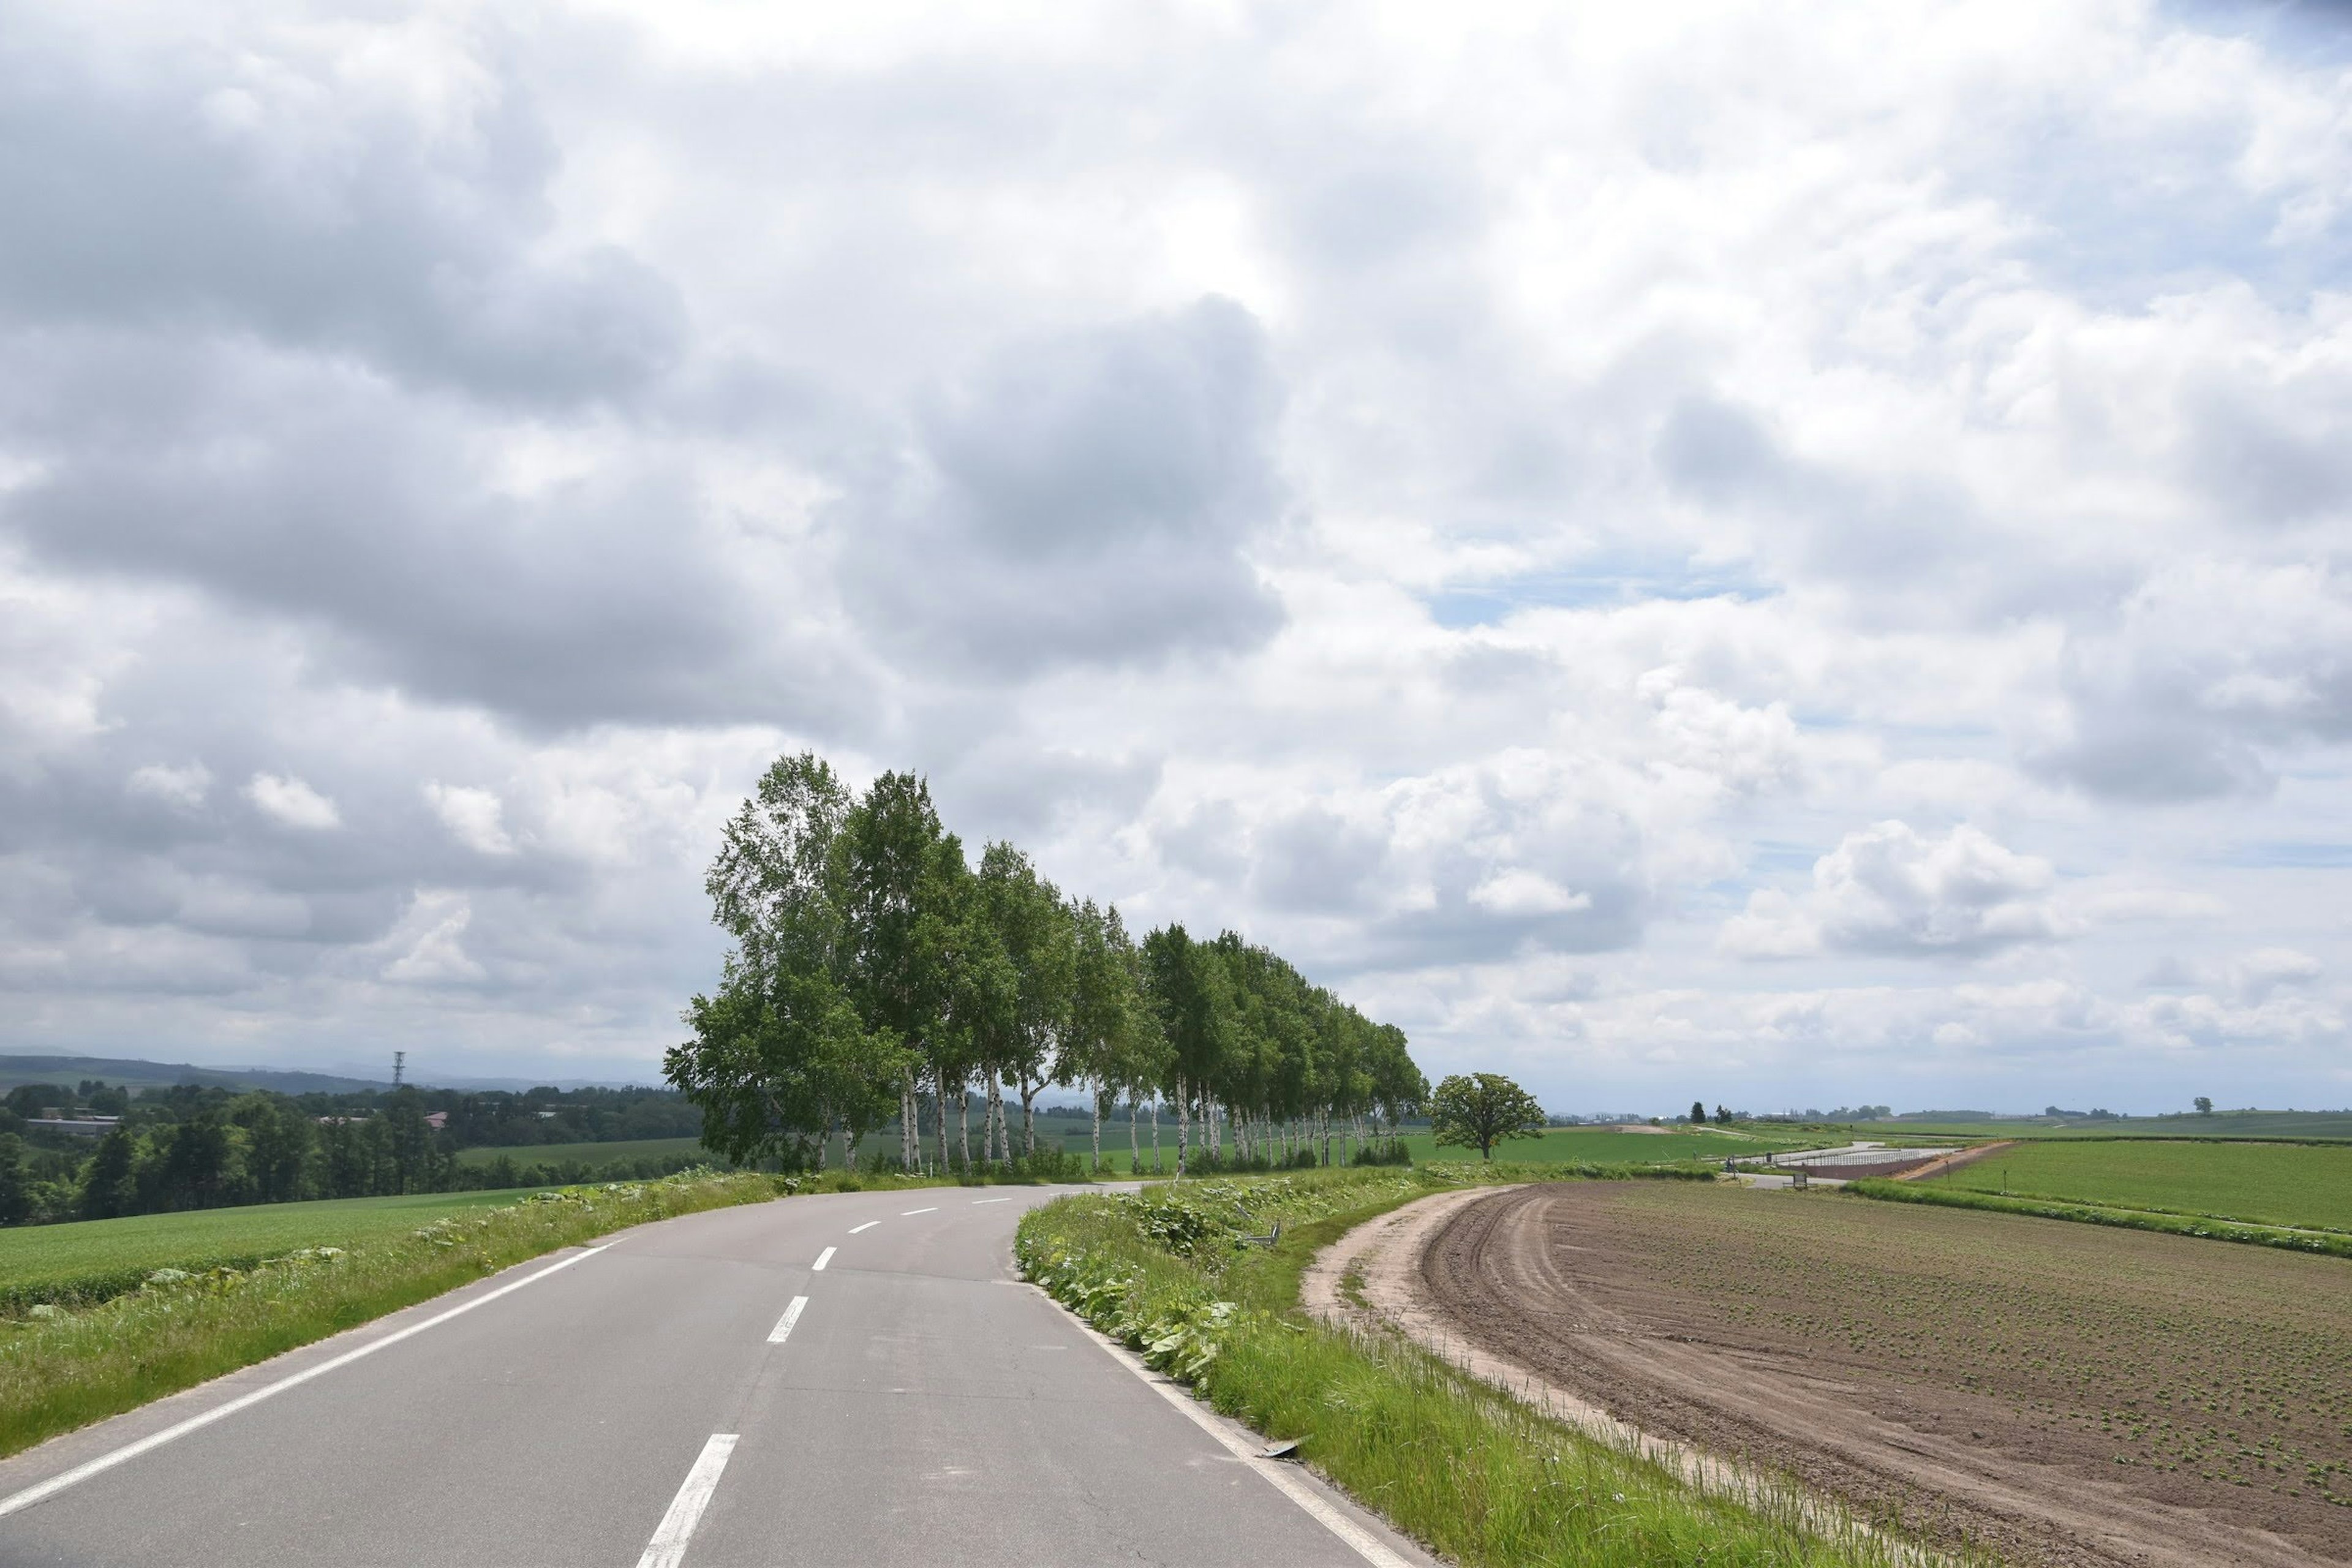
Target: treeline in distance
x=187 y=1147
x=876 y=973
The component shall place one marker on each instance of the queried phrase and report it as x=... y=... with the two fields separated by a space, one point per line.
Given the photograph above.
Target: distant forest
x=192 y=1146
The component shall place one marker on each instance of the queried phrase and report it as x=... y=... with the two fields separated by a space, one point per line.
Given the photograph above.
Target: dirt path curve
x=1382 y=1260
x=1470 y=1274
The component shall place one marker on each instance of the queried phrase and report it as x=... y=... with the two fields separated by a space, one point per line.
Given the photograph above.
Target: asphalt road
x=645 y=1403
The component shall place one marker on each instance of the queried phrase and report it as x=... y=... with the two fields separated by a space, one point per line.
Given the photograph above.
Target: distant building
x=79 y=1126
x=436 y=1119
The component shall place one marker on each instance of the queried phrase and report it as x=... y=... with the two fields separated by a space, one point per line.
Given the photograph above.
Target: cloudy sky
x=1789 y=555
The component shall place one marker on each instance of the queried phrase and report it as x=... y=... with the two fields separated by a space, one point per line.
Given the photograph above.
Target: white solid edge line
x=1277 y=1474
x=784 y=1328
x=667 y=1548
x=869 y=1225
x=977 y=1202
x=130 y=1451
x=904 y=1213
x=822 y=1259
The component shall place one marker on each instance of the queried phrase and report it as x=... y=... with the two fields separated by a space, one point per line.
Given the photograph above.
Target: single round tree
x=1480 y=1109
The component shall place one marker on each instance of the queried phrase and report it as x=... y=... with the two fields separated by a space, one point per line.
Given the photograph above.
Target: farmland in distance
x=2286 y=1124
x=2270 y=1183
x=88 y=1259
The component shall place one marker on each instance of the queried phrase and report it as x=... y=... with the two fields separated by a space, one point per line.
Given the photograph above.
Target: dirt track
x=1568 y=1288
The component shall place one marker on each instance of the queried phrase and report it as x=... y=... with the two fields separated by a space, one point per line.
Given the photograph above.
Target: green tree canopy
x=1481 y=1109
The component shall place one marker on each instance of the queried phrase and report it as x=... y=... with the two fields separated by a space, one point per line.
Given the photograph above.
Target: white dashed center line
x=822 y=1259
x=977 y=1202
x=784 y=1328
x=869 y=1225
x=904 y=1213
x=667 y=1548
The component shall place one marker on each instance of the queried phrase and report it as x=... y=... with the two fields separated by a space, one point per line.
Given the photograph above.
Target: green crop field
x=2271 y=1183
x=91 y=1260
x=589 y=1153
x=2220 y=1124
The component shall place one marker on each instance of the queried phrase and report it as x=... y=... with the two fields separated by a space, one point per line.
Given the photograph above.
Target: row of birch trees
x=878 y=977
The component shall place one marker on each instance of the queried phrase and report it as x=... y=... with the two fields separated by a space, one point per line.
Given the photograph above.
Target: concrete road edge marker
x=667 y=1548
x=129 y=1451
x=1359 y=1540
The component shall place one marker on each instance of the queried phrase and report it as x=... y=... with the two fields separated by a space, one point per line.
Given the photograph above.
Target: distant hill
x=131 y=1074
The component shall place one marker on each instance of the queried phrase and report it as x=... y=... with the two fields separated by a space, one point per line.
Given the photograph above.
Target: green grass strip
x=1468 y=1470
x=2205 y=1225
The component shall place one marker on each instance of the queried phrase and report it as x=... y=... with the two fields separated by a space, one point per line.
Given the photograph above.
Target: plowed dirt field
x=2061 y=1392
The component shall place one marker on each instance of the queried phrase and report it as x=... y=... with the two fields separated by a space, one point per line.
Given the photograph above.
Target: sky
x=1786 y=555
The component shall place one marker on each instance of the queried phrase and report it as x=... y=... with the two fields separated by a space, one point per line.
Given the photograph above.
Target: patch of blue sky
x=2317 y=32
x=2121 y=224
x=2289 y=854
x=1598 y=585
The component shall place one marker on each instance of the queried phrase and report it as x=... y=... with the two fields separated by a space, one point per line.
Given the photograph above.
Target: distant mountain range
x=130 y=1073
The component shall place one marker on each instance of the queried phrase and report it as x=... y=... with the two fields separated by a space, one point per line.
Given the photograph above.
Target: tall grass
x=1471 y=1471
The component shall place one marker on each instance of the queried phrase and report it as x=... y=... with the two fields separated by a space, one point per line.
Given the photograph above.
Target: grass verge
x=2205 y=1225
x=1471 y=1471
x=65 y=1366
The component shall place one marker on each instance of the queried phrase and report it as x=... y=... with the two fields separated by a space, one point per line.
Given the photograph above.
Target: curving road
x=853 y=1379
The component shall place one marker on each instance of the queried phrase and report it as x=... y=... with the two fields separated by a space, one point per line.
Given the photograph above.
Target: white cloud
x=429 y=941
x=471 y=815
x=2259 y=974
x=1888 y=889
x=292 y=801
x=1516 y=891
x=1486 y=510
x=183 y=787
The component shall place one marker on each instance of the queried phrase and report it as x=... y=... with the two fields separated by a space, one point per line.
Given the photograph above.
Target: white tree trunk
x=1155 y=1132
x=1135 y=1136
x=1098 y=1094
x=909 y=1135
x=1183 y=1127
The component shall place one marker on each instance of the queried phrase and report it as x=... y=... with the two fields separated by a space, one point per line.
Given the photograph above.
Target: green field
x=91 y=1260
x=2270 y=1183
x=2286 y=1124
x=588 y=1154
